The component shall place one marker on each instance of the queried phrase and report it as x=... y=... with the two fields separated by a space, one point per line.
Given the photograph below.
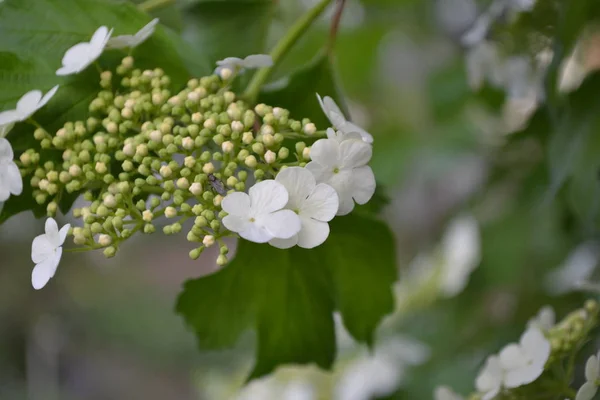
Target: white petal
x=230 y=62
x=41 y=274
x=284 y=243
x=9 y=117
x=47 y=97
x=146 y=31
x=299 y=182
x=354 y=153
x=536 y=346
x=332 y=133
x=27 y=105
x=267 y=196
x=490 y=376
x=522 y=376
x=512 y=357
x=321 y=173
x=41 y=249
x=66 y=70
x=121 y=42
x=258 y=61
x=14 y=182
x=256 y=233
x=4 y=194
x=351 y=128
x=592 y=369
x=5 y=129
x=236 y=203
x=62 y=234
x=342 y=183
x=236 y=223
x=587 y=391
x=6 y=151
x=52 y=232
x=491 y=394
x=322 y=204
x=333 y=112
x=326 y=152
x=313 y=233
x=281 y=224
x=100 y=37
x=363 y=184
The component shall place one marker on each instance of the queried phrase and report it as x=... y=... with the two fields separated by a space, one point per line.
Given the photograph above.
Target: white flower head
x=10 y=177
x=46 y=252
x=343 y=166
x=338 y=120
x=315 y=205
x=461 y=253
x=124 y=41
x=489 y=380
x=80 y=56
x=27 y=105
x=544 y=320
x=445 y=393
x=341 y=136
x=592 y=374
x=239 y=65
x=524 y=362
x=259 y=215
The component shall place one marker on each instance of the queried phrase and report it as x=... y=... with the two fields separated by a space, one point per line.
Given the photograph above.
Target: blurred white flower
x=490 y=377
x=483 y=64
x=524 y=362
x=299 y=390
x=461 y=254
x=344 y=167
x=259 y=216
x=239 y=65
x=10 y=177
x=521 y=5
x=46 y=251
x=592 y=375
x=338 y=120
x=123 y=41
x=315 y=205
x=27 y=105
x=80 y=56
x=381 y=373
x=577 y=268
x=445 y=393
x=544 y=320
x=5 y=129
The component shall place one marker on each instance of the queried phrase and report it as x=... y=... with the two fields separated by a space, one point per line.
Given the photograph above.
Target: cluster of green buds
x=145 y=152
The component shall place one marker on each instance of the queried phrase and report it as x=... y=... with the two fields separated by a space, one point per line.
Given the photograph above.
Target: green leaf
x=227 y=28
x=34 y=35
x=288 y=296
x=297 y=92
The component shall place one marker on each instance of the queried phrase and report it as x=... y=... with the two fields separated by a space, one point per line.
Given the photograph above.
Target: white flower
x=339 y=122
x=123 y=41
x=10 y=177
x=461 y=253
x=46 y=252
x=259 y=216
x=315 y=205
x=524 y=362
x=592 y=374
x=241 y=64
x=483 y=64
x=27 y=105
x=489 y=380
x=341 y=136
x=578 y=267
x=80 y=56
x=445 y=393
x=343 y=166
x=544 y=320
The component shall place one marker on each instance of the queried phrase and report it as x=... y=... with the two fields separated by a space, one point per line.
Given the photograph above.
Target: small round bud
x=208 y=240
x=217 y=200
x=101 y=168
x=221 y=260
x=225 y=73
x=210 y=124
x=227 y=147
x=129 y=149
x=270 y=157
x=195 y=254
x=110 y=201
x=247 y=137
x=283 y=153
x=258 y=148
x=170 y=212
x=189 y=162
x=155 y=135
x=250 y=161
x=306 y=153
x=104 y=240
x=237 y=126
x=165 y=171
x=188 y=143
x=208 y=168
x=147 y=216
x=110 y=252
x=183 y=183
x=196 y=188
x=268 y=140
x=127 y=62
x=310 y=129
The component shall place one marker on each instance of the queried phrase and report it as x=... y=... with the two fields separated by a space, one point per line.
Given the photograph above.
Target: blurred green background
x=107 y=330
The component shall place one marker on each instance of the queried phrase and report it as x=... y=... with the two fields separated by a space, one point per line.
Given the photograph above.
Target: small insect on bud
x=225 y=73
x=227 y=147
x=196 y=188
x=165 y=171
x=208 y=240
x=147 y=216
x=170 y=212
x=270 y=157
x=104 y=240
x=306 y=153
x=217 y=185
x=208 y=168
x=310 y=129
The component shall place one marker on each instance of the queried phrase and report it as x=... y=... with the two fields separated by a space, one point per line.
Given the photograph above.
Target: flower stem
x=150 y=5
x=282 y=47
x=335 y=24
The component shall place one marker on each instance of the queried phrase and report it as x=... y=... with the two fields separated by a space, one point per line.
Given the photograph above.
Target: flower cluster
x=145 y=152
